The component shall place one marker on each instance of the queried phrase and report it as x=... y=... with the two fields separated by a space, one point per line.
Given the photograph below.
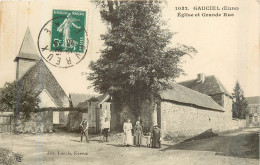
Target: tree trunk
x=153 y=113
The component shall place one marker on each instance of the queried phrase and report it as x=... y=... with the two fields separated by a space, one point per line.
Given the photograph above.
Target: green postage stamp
x=68 y=30
x=63 y=39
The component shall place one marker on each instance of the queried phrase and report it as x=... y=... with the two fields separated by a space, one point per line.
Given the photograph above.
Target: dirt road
x=65 y=149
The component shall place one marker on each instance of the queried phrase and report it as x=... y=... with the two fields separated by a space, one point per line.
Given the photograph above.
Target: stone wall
x=22 y=67
x=184 y=120
x=238 y=123
x=40 y=122
x=179 y=119
x=228 y=106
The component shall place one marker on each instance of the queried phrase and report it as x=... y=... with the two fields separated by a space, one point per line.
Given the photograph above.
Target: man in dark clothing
x=84 y=130
x=156 y=138
x=141 y=123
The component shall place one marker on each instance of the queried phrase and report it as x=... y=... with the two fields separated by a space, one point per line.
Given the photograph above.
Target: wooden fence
x=5 y=124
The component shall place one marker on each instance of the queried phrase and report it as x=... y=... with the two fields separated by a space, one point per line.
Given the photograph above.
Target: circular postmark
x=63 y=40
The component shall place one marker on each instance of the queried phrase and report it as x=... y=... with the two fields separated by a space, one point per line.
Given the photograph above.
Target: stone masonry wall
x=40 y=122
x=183 y=120
x=228 y=106
x=22 y=67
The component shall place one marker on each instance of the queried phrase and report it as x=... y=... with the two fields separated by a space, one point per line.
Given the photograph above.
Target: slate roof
x=97 y=99
x=253 y=100
x=181 y=94
x=77 y=98
x=101 y=97
x=83 y=104
x=39 y=77
x=210 y=86
x=28 y=49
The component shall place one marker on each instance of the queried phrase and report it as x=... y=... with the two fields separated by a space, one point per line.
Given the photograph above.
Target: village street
x=240 y=147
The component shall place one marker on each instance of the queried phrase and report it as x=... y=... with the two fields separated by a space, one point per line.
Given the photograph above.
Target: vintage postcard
x=122 y=82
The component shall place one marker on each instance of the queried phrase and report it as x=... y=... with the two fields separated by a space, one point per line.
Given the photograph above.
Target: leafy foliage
x=8 y=157
x=18 y=99
x=239 y=107
x=137 y=61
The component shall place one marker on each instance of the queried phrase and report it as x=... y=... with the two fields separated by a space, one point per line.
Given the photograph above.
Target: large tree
x=239 y=107
x=16 y=98
x=137 y=61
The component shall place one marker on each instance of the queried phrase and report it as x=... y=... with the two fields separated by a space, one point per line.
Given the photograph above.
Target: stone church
x=31 y=72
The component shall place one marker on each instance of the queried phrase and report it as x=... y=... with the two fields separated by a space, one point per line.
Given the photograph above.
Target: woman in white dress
x=128 y=137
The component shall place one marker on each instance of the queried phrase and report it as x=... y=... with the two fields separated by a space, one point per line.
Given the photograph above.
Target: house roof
x=181 y=94
x=77 y=98
x=39 y=77
x=83 y=104
x=28 y=49
x=253 y=100
x=210 y=86
x=100 y=99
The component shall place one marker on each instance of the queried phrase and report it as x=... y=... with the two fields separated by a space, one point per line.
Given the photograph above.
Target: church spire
x=27 y=55
x=28 y=49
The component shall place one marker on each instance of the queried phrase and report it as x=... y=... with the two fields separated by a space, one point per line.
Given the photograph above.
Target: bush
x=8 y=157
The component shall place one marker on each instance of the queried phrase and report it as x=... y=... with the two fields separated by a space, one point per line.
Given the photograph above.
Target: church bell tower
x=27 y=55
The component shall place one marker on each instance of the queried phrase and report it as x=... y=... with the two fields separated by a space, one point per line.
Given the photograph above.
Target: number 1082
x=181 y=8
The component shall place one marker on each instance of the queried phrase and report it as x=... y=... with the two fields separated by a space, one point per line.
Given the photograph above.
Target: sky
x=228 y=47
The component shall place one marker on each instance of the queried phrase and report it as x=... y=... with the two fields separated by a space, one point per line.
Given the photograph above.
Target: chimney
x=201 y=77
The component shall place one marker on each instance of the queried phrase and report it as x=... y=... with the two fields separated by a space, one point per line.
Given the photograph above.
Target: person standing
x=105 y=129
x=138 y=132
x=128 y=139
x=84 y=130
x=141 y=122
x=148 y=140
x=156 y=135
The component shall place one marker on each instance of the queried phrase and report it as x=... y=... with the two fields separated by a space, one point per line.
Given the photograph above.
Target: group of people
x=153 y=138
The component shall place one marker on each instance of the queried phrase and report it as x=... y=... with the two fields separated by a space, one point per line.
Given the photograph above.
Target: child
x=105 y=129
x=148 y=141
